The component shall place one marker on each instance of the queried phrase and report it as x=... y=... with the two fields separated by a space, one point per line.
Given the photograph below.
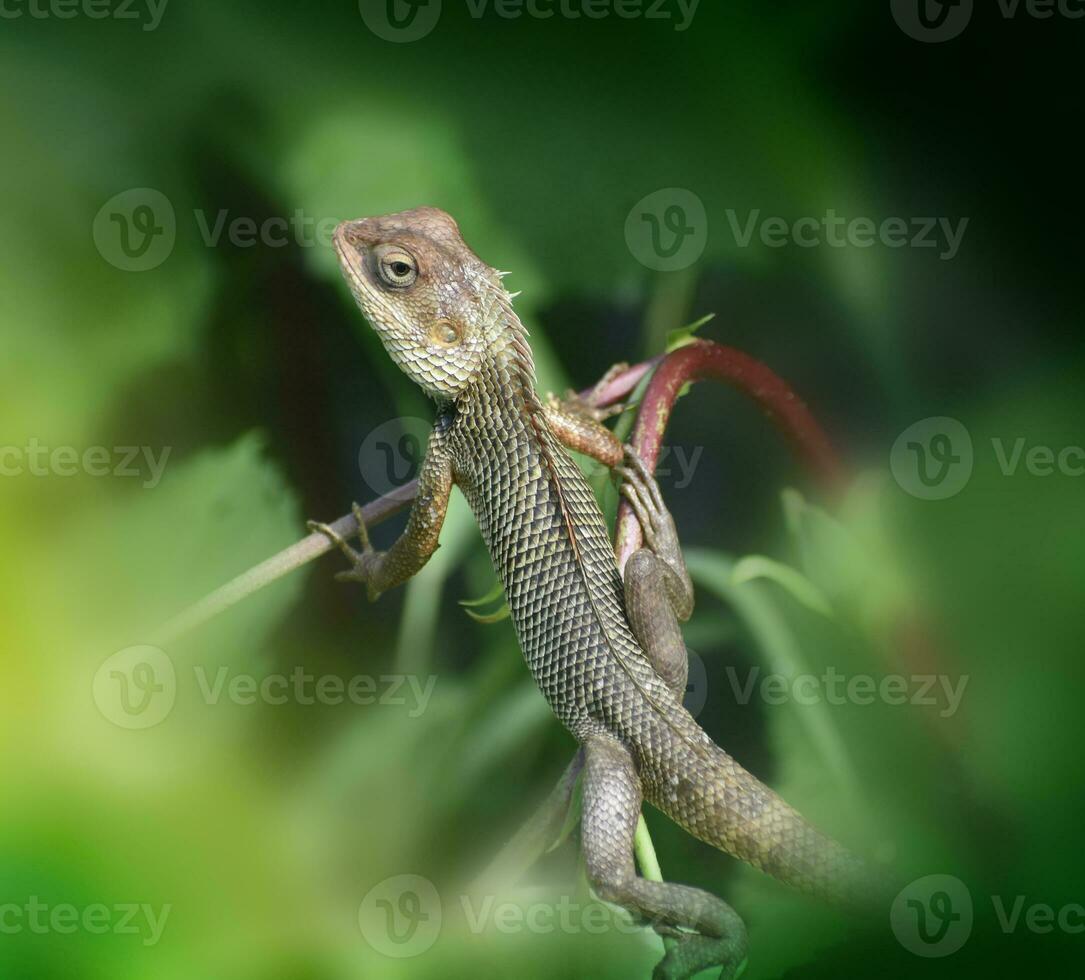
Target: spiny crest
x=503 y=327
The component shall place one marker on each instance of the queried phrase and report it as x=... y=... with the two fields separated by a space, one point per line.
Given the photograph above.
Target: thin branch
x=283 y=563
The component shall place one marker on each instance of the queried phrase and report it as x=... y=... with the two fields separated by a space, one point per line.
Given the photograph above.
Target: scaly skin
x=606 y=653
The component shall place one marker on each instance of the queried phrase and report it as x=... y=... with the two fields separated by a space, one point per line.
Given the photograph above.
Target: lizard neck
x=506 y=378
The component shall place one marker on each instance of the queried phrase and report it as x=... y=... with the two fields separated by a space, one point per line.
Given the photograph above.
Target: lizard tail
x=722 y=804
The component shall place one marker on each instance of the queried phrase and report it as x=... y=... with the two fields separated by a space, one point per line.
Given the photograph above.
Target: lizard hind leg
x=658 y=591
x=707 y=931
x=642 y=492
x=652 y=619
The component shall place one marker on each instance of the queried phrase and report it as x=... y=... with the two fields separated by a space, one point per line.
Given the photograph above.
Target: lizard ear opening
x=445 y=332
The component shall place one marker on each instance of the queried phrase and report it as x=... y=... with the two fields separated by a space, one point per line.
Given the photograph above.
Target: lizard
x=605 y=647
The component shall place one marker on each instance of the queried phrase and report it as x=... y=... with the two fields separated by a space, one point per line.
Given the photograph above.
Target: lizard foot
x=587 y=404
x=640 y=488
x=693 y=953
x=579 y=406
x=362 y=562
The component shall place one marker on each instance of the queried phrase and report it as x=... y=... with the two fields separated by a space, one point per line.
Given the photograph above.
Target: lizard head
x=437 y=308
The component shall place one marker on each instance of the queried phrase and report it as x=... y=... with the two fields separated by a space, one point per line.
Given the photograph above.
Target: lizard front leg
x=612 y=802
x=577 y=428
x=382 y=570
x=578 y=422
x=658 y=590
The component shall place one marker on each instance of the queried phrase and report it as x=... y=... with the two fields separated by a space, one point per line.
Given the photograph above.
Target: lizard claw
x=364 y=562
x=632 y=493
x=642 y=491
x=693 y=953
x=319 y=527
x=580 y=406
x=585 y=405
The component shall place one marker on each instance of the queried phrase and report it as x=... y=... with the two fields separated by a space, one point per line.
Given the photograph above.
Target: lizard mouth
x=351 y=253
x=345 y=248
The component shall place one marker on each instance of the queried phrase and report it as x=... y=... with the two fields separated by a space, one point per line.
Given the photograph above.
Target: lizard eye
x=396 y=267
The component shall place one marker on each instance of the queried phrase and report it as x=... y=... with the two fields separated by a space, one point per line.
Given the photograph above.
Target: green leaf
x=832 y=558
x=684 y=336
x=780 y=652
x=492 y=596
x=497 y=592
x=798 y=585
x=495 y=617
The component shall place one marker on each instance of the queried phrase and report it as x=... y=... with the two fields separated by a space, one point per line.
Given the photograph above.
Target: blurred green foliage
x=262 y=826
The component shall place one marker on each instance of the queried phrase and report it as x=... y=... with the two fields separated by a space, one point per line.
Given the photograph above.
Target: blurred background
x=875 y=200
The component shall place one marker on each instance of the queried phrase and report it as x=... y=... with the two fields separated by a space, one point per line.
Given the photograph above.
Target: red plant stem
x=704 y=360
x=615 y=389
